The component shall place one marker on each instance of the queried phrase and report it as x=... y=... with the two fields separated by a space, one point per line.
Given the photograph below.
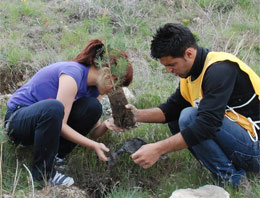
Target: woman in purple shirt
x=58 y=106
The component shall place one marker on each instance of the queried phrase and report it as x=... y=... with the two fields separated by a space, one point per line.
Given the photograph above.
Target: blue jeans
x=229 y=155
x=40 y=125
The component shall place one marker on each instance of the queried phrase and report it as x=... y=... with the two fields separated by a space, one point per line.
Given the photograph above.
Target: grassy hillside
x=35 y=33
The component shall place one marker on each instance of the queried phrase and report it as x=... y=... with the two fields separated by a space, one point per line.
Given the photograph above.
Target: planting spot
x=130 y=146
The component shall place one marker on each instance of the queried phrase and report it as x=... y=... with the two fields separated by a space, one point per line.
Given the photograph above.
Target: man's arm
x=166 y=112
x=173 y=106
x=148 y=154
x=153 y=115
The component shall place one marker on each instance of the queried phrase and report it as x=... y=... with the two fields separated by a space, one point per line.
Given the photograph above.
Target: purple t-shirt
x=44 y=84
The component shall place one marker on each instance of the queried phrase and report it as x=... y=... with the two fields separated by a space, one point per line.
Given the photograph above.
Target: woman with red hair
x=58 y=106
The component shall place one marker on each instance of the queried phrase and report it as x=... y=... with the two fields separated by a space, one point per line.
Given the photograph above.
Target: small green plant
x=117 y=63
x=112 y=55
x=185 y=22
x=197 y=37
x=129 y=193
x=245 y=4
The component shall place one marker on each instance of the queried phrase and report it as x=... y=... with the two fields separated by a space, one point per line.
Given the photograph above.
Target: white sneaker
x=60 y=164
x=61 y=180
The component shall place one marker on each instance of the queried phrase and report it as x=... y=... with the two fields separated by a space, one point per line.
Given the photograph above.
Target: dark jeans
x=40 y=125
x=229 y=155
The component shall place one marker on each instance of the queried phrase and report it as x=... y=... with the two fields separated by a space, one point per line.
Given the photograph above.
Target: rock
x=128 y=94
x=5 y=97
x=196 y=20
x=202 y=192
x=106 y=106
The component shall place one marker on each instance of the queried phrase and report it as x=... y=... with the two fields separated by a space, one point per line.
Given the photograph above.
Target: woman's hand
x=109 y=123
x=100 y=149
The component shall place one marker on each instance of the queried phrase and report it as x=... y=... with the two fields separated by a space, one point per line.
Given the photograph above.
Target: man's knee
x=187 y=116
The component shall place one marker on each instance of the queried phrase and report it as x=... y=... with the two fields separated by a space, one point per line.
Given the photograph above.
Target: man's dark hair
x=172 y=40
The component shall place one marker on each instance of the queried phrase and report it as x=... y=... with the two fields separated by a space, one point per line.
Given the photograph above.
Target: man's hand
x=100 y=149
x=133 y=109
x=147 y=155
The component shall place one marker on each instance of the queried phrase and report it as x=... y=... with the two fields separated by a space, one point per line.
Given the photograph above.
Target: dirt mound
x=10 y=80
x=58 y=191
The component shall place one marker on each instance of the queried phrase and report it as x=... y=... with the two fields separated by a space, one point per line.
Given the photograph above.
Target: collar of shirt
x=198 y=63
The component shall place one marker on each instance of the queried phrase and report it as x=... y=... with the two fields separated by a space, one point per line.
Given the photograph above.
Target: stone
x=206 y=191
x=128 y=94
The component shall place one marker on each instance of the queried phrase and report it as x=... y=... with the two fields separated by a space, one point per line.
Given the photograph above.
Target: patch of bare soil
x=97 y=184
x=10 y=80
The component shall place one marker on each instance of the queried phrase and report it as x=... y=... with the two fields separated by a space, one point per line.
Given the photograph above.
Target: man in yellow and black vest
x=215 y=111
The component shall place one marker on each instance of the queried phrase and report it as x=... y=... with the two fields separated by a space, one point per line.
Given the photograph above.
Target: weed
x=130 y=193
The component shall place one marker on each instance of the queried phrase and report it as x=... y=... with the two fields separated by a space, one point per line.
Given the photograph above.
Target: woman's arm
x=100 y=129
x=66 y=95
